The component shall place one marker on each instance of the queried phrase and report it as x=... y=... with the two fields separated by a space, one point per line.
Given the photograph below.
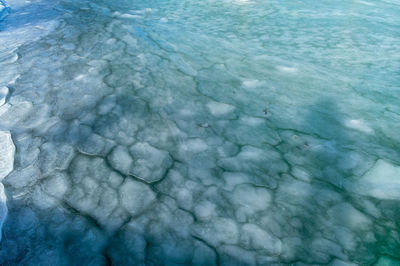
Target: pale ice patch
x=382 y=181
x=253 y=237
x=135 y=197
x=205 y=210
x=252 y=83
x=120 y=159
x=241 y=2
x=359 y=125
x=218 y=109
x=150 y=163
x=126 y=15
x=287 y=69
x=366 y=3
x=218 y=231
x=80 y=77
x=251 y=121
x=346 y=215
x=195 y=145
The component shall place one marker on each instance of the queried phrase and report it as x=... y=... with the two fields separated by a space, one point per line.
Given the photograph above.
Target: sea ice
x=199 y=132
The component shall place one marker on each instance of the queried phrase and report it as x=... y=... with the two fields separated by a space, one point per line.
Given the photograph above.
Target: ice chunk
x=205 y=210
x=253 y=237
x=107 y=105
x=51 y=190
x=150 y=164
x=250 y=199
x=252 y=160
x=21 y=178
x=55 y=156
x=233 y=178
x=345 y=237
x=28 y=148
x=185 y=198
x=56 y=185
x=7 y=151
x=120 y=159
x=220 y=109
x=218 y=231
x=135 y=196
x=345 y=214
x=322 y=250
x=195 y=145
x=115 y=180
x=92 y=145
x=291 y=247
x=251 y=130
x=253 y=83
x=382 y=182
x=287 y=69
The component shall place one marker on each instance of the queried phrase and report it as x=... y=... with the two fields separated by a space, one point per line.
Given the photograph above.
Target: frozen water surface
x=216 y=132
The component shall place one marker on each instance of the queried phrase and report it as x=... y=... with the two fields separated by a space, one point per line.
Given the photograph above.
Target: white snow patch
x=3 y=95
x=358 y=125
x=7 y=152
x=252 y=83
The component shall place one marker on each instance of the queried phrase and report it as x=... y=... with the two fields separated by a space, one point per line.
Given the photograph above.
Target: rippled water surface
x=216 y=132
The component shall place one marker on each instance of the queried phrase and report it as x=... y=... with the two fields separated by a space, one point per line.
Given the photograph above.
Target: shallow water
x=200 y=132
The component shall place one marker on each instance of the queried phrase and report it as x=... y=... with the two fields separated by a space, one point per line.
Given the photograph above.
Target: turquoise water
x=200 y=132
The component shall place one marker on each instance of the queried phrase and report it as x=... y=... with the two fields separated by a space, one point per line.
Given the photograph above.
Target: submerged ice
x=4 y=10
x=199 y=132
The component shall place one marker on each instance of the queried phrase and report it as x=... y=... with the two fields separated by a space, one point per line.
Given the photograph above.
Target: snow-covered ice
x=211 y=132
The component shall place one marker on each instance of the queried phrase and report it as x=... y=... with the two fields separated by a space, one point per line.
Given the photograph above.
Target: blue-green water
x=200 y=132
